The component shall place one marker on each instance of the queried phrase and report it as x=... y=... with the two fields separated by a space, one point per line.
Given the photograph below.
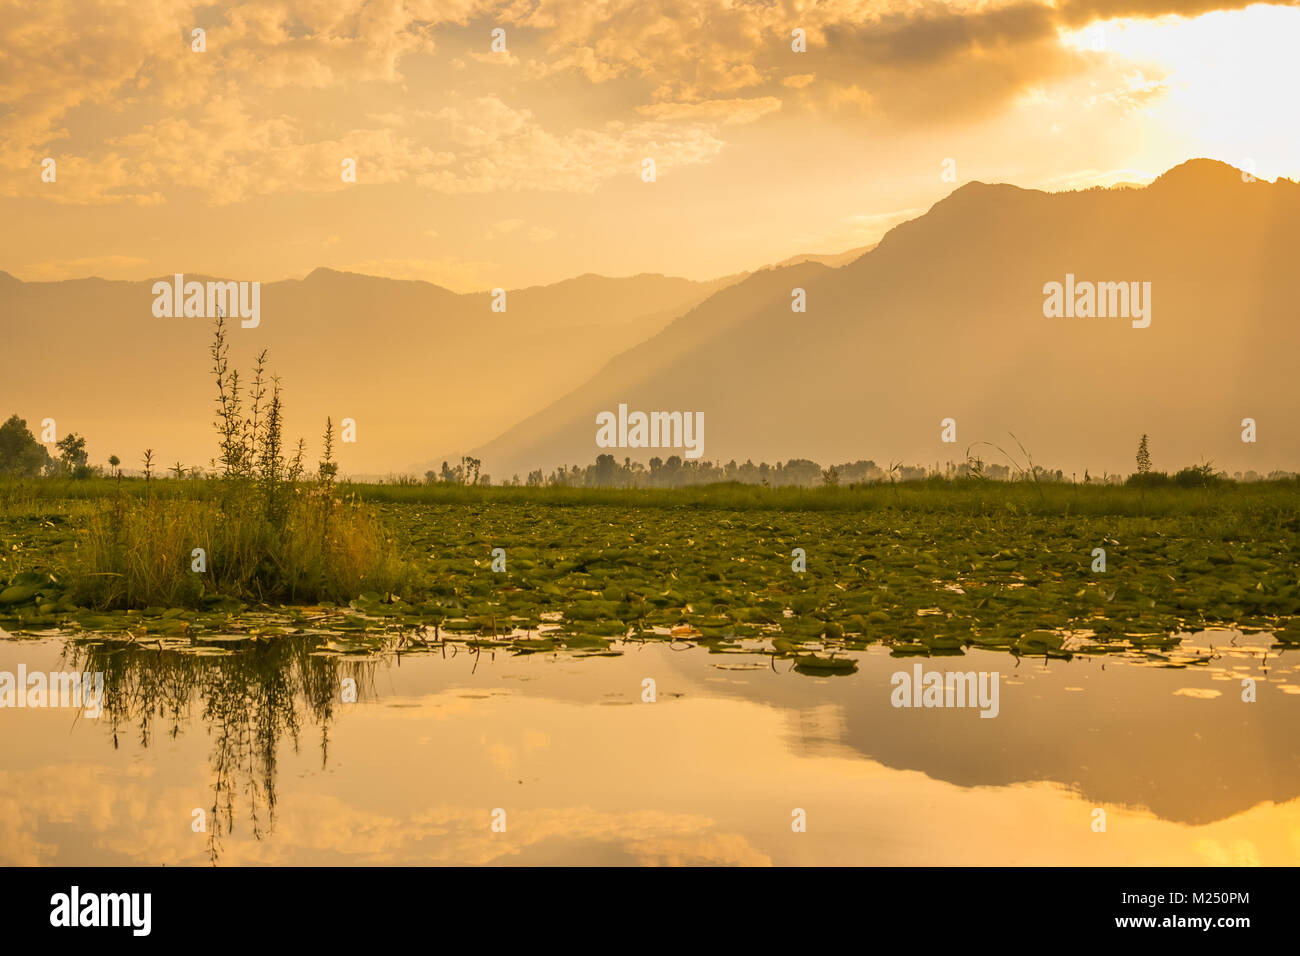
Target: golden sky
x=478 y=169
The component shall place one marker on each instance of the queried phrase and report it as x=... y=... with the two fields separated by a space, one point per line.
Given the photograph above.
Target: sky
x=479 y=168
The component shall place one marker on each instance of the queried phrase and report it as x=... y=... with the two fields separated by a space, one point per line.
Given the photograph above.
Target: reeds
x=258 y=533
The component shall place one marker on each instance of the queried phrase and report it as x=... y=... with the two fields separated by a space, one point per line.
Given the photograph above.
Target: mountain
x=833 y=259
x=415 y=365
x=945 y=318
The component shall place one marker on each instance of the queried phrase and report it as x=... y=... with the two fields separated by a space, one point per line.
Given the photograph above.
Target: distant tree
x=21 y=454
x=801 y=471
x=603 y=474
x=1143 y=457
x=447 y=474
x=113 y=462
x=72 y=454
x=830 y=477
x=535 y=478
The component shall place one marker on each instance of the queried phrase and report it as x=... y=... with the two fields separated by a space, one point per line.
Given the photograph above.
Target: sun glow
x=1221 y=85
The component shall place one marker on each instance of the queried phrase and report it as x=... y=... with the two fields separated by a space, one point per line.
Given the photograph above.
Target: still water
x=246 y=753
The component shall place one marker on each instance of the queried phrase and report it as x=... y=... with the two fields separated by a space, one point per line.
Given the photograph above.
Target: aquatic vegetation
x=591 y=578
x=141 y=553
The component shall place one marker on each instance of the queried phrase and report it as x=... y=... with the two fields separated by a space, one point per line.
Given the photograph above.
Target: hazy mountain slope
x=944 y=318
x=417 y=366
x=834 y=260
x=559 y=434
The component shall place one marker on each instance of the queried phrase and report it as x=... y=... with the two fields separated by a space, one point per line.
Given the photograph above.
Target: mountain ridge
x=953 y=301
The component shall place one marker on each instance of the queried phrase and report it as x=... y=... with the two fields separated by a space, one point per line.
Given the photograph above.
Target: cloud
x=724 y=112
x=504 y=58
x=511 y=227
x=525 y=156
x=231 y=155
x=851 y=96
x=504 y=228
x=286 y=89
x=1075 y=12
x=108 y=267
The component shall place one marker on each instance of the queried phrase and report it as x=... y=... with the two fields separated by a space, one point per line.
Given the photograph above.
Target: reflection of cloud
x=1199 y=693
x=1227 y=853
x=723 y=849
x=128 y=818
x=104 y=814
x=418 y=784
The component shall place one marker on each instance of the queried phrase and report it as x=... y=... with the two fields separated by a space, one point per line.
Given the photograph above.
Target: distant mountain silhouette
x=415 y=365
x=944 y=319
x=834 y=260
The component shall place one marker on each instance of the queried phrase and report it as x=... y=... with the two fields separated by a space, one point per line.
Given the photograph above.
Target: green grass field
x=927 y=568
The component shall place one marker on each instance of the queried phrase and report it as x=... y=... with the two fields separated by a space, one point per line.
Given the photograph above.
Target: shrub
x=265 y=533
x=139 y=552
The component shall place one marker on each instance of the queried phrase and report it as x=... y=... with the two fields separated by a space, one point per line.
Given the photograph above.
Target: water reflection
x=256 y=732
x=252 y=695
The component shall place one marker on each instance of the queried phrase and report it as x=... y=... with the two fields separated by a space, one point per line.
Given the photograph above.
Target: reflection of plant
x=251 y=701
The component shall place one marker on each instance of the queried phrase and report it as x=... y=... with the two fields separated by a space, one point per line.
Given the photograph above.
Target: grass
x=1262 y=499
x=259 y=533
x=928 y=569
x=141 y=553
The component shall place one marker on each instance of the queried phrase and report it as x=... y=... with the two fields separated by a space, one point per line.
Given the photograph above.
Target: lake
x=455 y=756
